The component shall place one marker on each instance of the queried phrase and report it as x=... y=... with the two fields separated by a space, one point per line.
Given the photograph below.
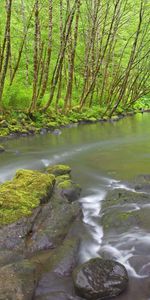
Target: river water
x=103 y=156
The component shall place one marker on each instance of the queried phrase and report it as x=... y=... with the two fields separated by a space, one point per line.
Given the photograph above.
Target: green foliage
x=114 y=63
x=143 y=103
x=17 y=96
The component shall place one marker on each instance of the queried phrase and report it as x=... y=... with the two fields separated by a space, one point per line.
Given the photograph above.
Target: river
x=103 y=156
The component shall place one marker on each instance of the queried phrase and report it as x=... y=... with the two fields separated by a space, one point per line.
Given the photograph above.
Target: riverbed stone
x=100 y=279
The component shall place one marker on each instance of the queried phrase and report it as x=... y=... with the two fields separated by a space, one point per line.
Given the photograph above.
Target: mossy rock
x=58 y=170
x=15 y=128
x=123 y=197
x=25 y=192
x=62 y=178
x=69 y=189
x=92 y=119
x=2 y=149
x=4 y=132
x=114 y=118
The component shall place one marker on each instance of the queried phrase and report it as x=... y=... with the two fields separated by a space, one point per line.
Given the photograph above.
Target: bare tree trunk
x=25 y=30
x=49 y=50
x=21 y=50
x=101 y=55
x=68 y=96
x=36 y=57
x=130 y=63
x=61 y=55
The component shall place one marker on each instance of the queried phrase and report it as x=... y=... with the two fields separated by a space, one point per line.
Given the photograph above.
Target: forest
x=74 y=56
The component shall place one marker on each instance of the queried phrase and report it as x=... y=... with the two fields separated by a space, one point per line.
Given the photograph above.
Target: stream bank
x=15 y=124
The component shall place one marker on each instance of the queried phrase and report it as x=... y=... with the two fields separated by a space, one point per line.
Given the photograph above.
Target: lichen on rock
x=25 y=192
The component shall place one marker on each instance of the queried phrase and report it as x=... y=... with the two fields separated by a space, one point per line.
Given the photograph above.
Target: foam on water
x=121 y=247
x=91 y=206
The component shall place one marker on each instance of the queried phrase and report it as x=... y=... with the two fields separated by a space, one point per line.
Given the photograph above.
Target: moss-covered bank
x=21 y=123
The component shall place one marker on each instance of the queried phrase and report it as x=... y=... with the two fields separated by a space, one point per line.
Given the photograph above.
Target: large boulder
x=100 y=279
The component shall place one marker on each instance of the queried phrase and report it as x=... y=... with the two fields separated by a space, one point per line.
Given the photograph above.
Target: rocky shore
x=37 y=211
x=39 y=220
x=39 y=245
x=16 y=124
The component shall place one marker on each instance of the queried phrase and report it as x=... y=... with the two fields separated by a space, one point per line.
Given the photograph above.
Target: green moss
x=52 y=125
x=62 y=178
x=25 y=192
x=58 y=170
x=117 y=220
x=65 y=185
x=15 y=128
x=13 y=122
x=4 y=132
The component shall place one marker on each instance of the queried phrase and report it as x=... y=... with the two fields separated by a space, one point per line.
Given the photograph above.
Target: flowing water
x=103 y=157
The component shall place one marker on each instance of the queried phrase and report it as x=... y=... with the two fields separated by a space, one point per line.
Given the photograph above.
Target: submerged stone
x=100 y=279
x=25 y=192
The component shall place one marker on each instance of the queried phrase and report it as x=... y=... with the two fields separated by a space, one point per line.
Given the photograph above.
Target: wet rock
x=35 y=221
x=123 y=210
x=8 y=256
x=114 y=118
x=142 y=183
x=122 y=197
x=100 y=279
x=43 y=131
x=58 y=170
x=57 y=132
x=56 y=282
x=2 y=149
x=18 y=280
x=52 y=224
x=68 y=189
